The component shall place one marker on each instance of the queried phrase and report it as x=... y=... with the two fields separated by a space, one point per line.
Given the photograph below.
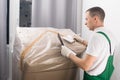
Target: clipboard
x=59 y=37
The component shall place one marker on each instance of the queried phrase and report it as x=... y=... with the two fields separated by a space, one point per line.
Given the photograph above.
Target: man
x=98 y=60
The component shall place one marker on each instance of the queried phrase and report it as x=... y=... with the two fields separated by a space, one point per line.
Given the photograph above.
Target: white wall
x=14 y=22
x=112 y=22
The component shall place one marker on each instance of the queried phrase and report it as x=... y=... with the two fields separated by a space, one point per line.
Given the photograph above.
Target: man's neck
x=98 y=27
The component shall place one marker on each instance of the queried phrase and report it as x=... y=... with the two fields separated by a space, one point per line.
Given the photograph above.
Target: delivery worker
x=98 y=60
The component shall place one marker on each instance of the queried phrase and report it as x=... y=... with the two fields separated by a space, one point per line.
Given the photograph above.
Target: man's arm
x=84 y=63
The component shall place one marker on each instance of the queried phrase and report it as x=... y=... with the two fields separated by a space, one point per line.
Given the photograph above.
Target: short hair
x=97 y=11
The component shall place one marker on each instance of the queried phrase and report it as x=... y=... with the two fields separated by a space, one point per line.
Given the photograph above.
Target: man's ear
x=95 y=18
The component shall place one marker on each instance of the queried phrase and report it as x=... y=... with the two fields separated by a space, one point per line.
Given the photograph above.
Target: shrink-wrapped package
x=37 y=54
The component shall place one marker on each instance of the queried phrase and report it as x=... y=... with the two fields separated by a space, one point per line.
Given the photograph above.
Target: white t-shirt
x=98 y=46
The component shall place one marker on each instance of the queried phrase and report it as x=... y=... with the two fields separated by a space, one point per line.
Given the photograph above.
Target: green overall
x=106 y=74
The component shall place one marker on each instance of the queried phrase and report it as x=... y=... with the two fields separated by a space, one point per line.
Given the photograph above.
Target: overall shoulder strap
x=106 y=38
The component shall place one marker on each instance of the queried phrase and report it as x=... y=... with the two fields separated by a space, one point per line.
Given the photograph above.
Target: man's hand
x=65 y=51
x=80 y=39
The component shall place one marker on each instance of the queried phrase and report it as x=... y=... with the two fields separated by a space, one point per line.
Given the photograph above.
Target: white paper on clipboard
x=69 y=38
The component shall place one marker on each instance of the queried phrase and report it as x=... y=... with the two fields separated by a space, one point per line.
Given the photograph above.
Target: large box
x=37 y=55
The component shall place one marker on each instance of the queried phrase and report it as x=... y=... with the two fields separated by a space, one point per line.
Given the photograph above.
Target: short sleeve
x=95 y=45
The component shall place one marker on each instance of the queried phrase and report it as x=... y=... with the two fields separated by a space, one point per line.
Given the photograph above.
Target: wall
x=3 y=51
x=111 y=22
x=14 y=22
x=54 y=13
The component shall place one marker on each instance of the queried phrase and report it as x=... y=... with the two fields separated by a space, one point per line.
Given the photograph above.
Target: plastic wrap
x=38 y=54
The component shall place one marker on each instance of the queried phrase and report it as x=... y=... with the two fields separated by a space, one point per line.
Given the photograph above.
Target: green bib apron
x=106 y=74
